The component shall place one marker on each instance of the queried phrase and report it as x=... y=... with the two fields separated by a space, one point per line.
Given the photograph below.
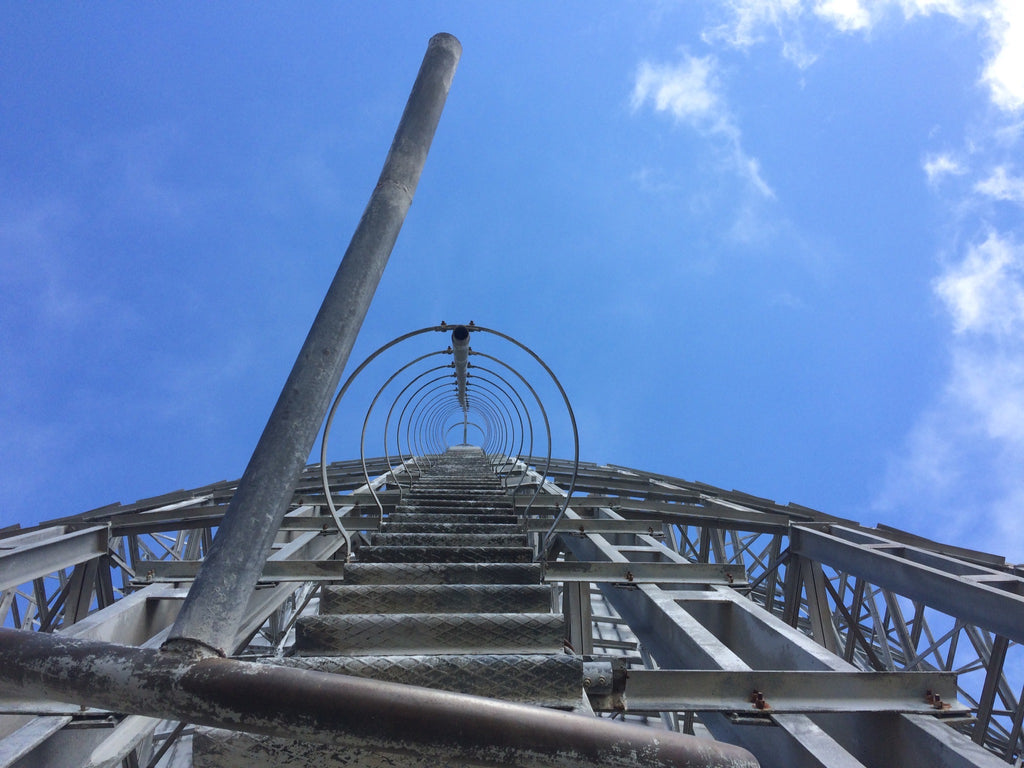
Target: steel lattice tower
x=472 y=602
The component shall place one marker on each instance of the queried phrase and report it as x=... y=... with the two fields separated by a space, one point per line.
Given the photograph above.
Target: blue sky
x=775 y=246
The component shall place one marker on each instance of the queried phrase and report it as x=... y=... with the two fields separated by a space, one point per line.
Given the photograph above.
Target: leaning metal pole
x=212 y=611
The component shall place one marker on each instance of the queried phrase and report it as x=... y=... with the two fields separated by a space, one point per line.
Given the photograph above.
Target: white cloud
x=844 y=15
x=1004 y=72
x=752 y=21
x=937 y=166
x=1002 y=186
x=985 y=292
x=750 y=18
x=958 y=9
x=991 y=386
x=962 y=459
x=690 y=92
x=686 y=90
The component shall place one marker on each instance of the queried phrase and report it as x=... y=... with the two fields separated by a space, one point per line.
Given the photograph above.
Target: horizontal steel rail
x=645 y=573
x=791 y=691
x=983 y=596
x=31 y=555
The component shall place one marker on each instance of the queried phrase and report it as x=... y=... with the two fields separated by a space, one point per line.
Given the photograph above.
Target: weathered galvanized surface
x=445 y=554
x=551 y=680
x=443 y=573
x=436 y=598
x=375 y=634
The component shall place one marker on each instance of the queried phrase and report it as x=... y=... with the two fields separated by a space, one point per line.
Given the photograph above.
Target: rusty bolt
x=629 y=575
x=935 y=700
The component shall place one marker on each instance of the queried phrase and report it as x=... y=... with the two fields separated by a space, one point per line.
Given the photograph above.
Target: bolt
x=587 y=682
x=602 y=680
x=629 y=575
x=757 y=698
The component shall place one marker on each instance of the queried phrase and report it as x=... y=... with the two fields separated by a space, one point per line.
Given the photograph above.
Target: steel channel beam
x=598 y=525
x=210 y=517
x=788 y=691
x=968 y=592
x=645 y=573
x=273 y=570
x=680 y=513
x=213 y=609
x=40 y=553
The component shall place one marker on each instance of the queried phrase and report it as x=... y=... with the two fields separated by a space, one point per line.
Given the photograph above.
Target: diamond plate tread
x=489 y=514
x=448 y=488
x=216 y=748
x=440 y=518
x=451 y=508
x=430 y=505
x=436 y=598
x=543 y=680
x=439 y=484
x=449 y=528
x=443 y=573
x=424 y=633
x=440 y=539
x=372 y=554
x=460 y=499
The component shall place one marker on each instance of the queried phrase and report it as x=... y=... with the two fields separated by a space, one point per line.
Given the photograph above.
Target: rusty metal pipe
x=213 y=609
x=336 y=709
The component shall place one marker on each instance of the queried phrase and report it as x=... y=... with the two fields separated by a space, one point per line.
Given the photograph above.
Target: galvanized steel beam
x=41 y=552
x=791 y=691
x=645 y=573
x=978 y=595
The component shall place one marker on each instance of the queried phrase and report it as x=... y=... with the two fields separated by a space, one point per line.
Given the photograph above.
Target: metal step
x=443 y=573
x=448 y=539
x=450 y=506
x=437 y=518
x=542 y=680
x=426 y=633
x=372 y=554
x=436 y=598
x=449 y=528
x=467 y=493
